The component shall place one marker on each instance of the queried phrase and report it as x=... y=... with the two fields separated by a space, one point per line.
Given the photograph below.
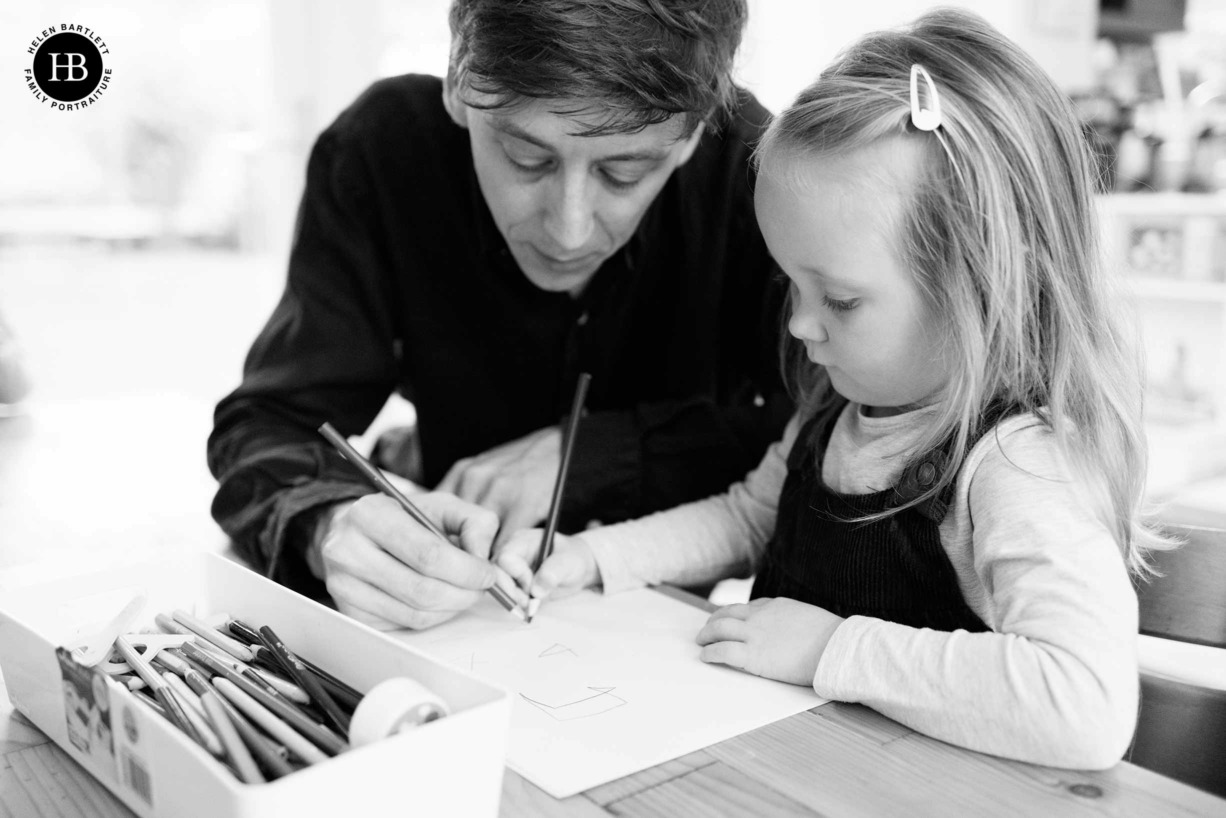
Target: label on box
x=87 y=712
x=133 y=766
x=104 y=727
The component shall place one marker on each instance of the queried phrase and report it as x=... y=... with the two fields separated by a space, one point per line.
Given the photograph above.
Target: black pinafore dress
x=893 y=568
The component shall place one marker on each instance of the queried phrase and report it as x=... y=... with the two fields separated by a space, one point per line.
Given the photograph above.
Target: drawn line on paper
x=556 y=649
x=466 y=660
x=601 y=701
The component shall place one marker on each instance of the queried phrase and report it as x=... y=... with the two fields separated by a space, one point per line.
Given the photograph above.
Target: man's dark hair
x=643 y=61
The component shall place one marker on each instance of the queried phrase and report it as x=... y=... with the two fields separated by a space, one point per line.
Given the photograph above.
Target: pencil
x=307 y=681
x=272 y=755
x=162 y=691
x=320 y=735
x=268 y=662
x=205 y=631
x=559 y=485
x=384 y=485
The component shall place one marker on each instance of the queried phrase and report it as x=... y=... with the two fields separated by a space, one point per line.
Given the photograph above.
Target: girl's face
x=855 y=304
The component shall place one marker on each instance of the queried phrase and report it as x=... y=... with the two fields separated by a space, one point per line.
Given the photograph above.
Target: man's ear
x=452 y=102
x=691 y=144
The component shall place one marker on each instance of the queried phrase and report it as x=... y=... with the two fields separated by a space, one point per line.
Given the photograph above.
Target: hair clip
x=926 y=119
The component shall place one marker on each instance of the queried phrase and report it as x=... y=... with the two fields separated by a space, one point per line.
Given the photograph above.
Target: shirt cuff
x=833 y=678
x=293 y=528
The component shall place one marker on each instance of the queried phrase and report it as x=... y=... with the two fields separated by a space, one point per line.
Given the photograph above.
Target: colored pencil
x=559 y=485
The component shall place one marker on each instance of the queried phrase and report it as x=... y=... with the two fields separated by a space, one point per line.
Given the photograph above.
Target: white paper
x=606 y=686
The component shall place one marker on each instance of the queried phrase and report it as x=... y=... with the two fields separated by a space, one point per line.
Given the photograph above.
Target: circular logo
x=68 y=71
x=68 y=67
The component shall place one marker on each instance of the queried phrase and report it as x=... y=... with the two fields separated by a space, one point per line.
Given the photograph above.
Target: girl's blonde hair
x=1002 y=237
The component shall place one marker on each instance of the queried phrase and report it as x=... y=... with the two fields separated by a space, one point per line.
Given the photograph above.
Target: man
x=575 y=196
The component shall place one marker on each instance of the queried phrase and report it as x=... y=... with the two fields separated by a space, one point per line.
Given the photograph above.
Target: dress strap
x=923 y=472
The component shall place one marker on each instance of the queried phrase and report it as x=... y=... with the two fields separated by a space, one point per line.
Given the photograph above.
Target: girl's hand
x=571 y=566
x=777 y=638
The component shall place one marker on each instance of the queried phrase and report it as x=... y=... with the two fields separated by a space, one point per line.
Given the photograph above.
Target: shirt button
x=582 y=320
x=927 y=474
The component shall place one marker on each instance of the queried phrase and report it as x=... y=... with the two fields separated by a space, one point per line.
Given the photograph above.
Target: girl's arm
x=1056 y=681
x=698 y=542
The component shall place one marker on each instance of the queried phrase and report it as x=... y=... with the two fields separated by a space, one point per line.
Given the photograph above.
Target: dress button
x=927 y=474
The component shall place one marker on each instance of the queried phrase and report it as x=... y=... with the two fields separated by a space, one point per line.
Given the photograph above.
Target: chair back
x=1181 y=727
x=1188 y=602
x=1181 y=733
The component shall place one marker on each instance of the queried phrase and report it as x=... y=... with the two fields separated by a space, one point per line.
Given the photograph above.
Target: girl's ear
x=452 y=102
x=692 y=144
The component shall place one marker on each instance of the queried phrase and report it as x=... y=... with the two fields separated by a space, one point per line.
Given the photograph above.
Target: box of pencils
x=304 y=712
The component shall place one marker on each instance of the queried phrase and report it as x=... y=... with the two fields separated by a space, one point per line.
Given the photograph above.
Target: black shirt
x=399 y=280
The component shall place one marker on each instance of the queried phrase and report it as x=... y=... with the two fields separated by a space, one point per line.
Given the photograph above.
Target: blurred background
x=143 y=239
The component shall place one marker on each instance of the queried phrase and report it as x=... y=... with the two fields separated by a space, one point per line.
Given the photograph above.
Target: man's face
x=565 y=203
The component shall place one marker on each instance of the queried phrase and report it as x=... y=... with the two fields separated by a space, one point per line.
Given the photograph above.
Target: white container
x=452 y=766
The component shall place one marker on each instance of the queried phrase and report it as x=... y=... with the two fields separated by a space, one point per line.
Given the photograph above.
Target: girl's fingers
x=563 y=569
x=738 y=611
x=516 y=555
x=722 y=629
x=732 y=654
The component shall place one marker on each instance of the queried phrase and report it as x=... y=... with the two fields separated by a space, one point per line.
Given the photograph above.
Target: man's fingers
x=519 y=517
x=372 y=565
x=452 y=479
x=393 y=530
x=474 y=526
x=402 y=484
x=368 y=604
x=733 y=654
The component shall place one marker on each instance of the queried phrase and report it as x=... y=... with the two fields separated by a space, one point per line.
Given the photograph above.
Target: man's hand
x=514 y=480
x=571 y=566
x=777 y=638
x=385 y=570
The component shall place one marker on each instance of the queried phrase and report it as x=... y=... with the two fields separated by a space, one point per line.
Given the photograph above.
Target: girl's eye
x=840 y=305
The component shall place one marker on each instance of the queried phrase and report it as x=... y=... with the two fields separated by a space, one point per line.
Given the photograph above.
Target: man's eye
x=619 y=183
x=531 y=167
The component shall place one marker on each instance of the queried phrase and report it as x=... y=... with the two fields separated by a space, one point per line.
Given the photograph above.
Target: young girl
x=946 y=530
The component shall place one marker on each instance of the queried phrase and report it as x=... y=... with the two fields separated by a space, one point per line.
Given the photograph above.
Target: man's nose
x=570 y=215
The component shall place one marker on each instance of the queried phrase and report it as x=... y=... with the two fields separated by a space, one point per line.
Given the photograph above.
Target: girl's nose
x=805 y=325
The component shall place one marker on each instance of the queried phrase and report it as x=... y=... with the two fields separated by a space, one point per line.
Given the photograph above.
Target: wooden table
x=834 y=760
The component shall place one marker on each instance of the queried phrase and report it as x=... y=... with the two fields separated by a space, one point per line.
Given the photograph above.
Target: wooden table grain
x=834 y=760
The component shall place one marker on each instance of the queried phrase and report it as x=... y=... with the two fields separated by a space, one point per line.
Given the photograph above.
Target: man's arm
x=327 y=353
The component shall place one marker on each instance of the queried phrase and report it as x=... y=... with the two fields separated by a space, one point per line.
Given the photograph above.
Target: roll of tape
x=392 y=706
